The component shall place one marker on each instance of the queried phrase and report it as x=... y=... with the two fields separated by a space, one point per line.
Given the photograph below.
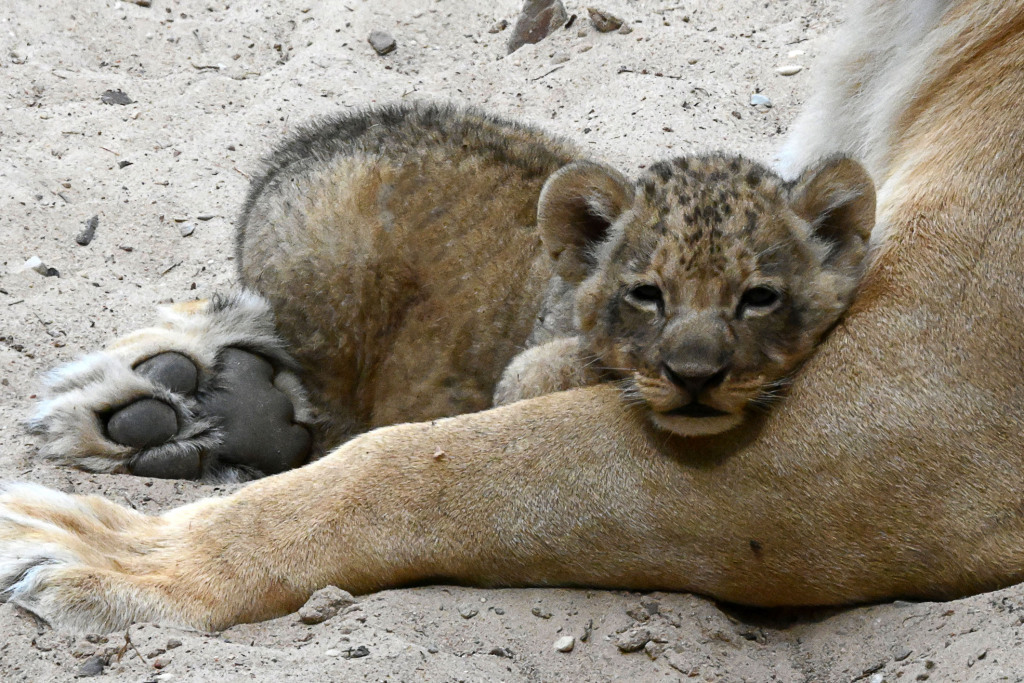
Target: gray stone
x=565 y=644
x=603 y=21
x=633 y=640
x=536 y=21
x=324 y=604
x=382 y=42
x=759 y=100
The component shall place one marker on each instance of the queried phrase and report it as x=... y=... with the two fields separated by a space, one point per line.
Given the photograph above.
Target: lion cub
x=700 y=287
x=397 y=261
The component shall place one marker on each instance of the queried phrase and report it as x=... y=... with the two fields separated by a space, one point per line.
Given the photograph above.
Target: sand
x=211 y=85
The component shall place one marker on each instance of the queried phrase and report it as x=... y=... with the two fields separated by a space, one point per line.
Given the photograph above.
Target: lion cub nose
x=695 y=378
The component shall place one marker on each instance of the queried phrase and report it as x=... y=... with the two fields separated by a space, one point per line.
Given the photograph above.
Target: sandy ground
x=212 y=84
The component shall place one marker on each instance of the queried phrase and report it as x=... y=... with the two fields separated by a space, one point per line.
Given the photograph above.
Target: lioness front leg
x=209 y=392
x=395 y=506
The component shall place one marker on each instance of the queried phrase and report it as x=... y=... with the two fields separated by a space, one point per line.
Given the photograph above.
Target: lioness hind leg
x=208 y=393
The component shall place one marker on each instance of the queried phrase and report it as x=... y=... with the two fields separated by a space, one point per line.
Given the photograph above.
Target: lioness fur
x=893 y=469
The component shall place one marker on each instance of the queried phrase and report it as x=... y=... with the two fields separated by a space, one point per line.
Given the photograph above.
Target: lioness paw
x=209 y=393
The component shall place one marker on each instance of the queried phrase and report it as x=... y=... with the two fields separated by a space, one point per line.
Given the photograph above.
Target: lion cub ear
x=837 y=197
x=577 y=206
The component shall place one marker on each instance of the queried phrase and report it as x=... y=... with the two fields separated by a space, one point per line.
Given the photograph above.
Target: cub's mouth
x=696 y=409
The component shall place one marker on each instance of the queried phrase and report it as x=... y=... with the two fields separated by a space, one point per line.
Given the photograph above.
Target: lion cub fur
x=411 y=252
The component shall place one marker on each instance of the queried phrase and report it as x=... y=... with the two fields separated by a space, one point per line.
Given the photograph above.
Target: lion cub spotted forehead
x=700 y=287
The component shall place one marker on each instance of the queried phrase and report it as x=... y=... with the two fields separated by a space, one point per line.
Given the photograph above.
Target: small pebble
x=536 y=21
x=173 y=643
x=161 y=662
x=88 y=232
x=560 y=58
x=540 y=612
x=633 y=640
x=332 y=653
x=115 y=97
x=501 y=652
x=691 y=60
x=737 y=115
x=382 y=42
x=603 y=21
x=789 y=69
x=565 y=644
x=187 y=229
x=759 y=100
x=325 y=604
x=793 y=54
x=124 y=163
x=498 y=26
x=35 y=263
x=93 y=666
x=468 y=611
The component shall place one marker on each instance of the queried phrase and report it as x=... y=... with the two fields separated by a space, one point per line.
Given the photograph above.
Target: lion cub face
x=702 y=286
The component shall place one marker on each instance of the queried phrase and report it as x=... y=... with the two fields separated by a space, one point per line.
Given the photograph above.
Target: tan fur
x=895 y=467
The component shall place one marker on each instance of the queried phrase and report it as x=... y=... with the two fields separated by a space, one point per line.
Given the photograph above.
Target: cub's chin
x=697 y=423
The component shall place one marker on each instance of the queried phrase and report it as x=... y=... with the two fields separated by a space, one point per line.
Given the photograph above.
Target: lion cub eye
x=758 y=298
x=645 y=296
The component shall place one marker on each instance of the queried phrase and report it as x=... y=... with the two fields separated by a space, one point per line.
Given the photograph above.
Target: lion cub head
x=705 y=283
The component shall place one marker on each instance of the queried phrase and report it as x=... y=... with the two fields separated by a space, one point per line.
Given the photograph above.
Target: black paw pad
x=171 y=370
x=147 y=422
x=256 y=418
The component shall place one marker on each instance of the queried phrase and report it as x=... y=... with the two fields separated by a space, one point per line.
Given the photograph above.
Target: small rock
x=633 y=640
x=173 y=643
x=691 y=60
x=737 y=115
x=88 y=232
x=468 y=611
x=205 y=217
x=332 y=653
x=161 y=662
x=603 y=21
x=536 y=21
x=124 y=163
x=382 y=42
x=141 y=3
x=793 y=54
x=565 y=644
x=35 y=263
x=540 y=612
x=356 y=652
x=625 y=29
x=115 y=97
x=324 y=604
x=93 y=666
x=187 y=229
x=877 y=678
x=501 y=652
x=759 y=100
x=560 y=58
x=789 y=69
x=498 y=26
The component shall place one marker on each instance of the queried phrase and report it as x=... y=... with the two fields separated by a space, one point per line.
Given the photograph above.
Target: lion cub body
x=399 y=250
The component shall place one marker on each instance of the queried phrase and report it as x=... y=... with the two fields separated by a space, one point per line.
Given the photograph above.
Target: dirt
x=202 y=89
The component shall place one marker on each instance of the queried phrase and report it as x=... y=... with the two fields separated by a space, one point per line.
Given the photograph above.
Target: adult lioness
x=894 y=469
